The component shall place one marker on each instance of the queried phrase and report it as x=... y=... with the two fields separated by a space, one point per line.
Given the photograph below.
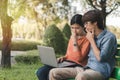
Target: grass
x=20 y=72
x=23 y=71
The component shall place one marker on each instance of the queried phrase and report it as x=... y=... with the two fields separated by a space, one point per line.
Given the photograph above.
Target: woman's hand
x=74 y=37
x=61 y=59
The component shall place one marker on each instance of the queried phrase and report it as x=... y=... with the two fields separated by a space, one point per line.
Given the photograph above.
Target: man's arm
x=90 y=37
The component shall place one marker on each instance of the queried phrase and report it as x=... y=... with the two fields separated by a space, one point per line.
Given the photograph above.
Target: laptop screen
x=47 y=56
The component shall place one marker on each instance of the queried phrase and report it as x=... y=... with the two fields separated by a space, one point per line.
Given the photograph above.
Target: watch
x=75 y=44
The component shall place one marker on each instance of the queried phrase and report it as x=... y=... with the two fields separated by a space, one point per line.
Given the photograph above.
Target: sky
x=113 y=20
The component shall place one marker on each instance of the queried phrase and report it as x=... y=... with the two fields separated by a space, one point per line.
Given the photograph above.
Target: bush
x=27 y=59
x=53 y=37
x=67 y=33
x=23 y=45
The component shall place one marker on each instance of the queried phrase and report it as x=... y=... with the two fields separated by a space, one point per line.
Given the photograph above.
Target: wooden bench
x=116 y=72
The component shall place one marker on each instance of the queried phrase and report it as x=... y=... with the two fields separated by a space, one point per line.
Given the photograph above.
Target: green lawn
x=22 y=71
x=19 y=72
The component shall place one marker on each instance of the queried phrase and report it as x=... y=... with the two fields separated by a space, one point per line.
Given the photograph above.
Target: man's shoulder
x=109 y=34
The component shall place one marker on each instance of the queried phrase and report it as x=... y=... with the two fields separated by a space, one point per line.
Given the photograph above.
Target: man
x=103 y=47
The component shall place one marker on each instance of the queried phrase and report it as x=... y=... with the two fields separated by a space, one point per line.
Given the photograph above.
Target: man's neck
x=98 y=31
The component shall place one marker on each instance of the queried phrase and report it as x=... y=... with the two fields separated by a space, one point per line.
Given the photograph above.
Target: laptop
x=48 y=57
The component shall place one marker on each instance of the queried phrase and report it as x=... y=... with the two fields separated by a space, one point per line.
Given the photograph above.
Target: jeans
x=43 y=72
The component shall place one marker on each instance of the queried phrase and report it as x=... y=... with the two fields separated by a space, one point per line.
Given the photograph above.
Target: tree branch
x=114 y=8
x=90 y=2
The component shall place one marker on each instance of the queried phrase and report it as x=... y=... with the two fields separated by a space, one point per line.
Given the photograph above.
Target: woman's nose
x=74 y=30
x=85 y=25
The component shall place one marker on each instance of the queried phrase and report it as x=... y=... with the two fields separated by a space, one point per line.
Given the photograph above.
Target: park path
x=13 y=54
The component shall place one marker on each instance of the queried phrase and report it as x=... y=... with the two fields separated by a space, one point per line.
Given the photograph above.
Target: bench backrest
x=116 y=71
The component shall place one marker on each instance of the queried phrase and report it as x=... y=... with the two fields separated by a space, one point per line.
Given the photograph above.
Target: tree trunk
x=6 y=44
x=7 y=35
x=103 y=6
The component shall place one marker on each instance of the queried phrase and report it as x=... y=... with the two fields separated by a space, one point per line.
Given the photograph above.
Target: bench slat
x=116 y=73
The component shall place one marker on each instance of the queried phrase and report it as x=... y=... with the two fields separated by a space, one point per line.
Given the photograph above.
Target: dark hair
x=94 y=16
x=77 y=19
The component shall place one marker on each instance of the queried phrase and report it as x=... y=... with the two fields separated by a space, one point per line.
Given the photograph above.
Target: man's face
x=90 y=26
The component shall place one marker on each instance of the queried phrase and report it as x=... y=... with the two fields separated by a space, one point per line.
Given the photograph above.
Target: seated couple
x=92 y=51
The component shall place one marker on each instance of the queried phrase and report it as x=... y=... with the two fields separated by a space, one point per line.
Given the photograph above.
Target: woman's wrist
x=75 y=44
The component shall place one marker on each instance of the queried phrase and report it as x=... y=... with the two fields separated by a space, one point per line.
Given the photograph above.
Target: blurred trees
x=43 y=12
x=106 y=6
x=40 y=14
x=14 y=9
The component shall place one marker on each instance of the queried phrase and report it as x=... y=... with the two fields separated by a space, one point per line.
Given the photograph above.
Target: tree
x=106 y=6
x=6 y=33
x=44 y=12
x=49 y=13
x=13 y=9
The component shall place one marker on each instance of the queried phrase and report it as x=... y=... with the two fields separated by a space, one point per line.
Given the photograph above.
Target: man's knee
x=52 y=73
x=81 y=76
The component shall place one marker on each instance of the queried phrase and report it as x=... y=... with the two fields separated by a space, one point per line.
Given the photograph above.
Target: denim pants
x=43 y=72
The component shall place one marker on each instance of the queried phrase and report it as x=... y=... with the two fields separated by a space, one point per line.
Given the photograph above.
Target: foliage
x=66 y=31
x=27 y=59
x=53 y=37
x=30 y=57
x=15 y=9
x=23 y=45
x=115 y=30
x=106 y=6
x=36 y=8
x=42 y=12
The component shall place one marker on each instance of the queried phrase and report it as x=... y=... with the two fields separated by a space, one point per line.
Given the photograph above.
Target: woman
x=76 y=54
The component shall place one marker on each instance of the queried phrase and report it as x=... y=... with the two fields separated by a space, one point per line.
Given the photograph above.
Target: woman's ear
x=95 y=23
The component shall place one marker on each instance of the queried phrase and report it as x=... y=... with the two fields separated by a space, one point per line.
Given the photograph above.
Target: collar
x=101 y=34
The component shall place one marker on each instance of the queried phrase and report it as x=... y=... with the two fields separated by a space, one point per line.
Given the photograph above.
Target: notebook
x=48 y=57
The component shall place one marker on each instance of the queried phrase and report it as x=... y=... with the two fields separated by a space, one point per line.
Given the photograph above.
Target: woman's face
x=76 y=29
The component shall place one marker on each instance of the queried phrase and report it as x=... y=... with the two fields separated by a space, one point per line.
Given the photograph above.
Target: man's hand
x=90 y=35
